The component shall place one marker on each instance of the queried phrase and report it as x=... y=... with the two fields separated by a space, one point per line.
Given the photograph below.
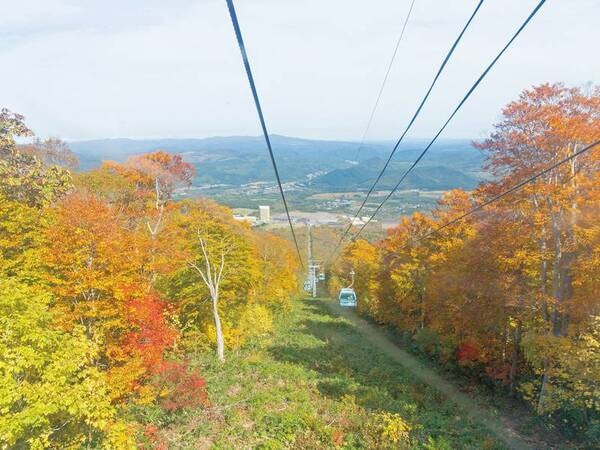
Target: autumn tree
x=84 y=329
x=51 y=152
x=21 y=233
x=279 y=267
x=210 y=265
x=257 y=276
x=23 y=176
x=51 y=396
x=212 y=249
x=509 y=293
x=160 y=173
x=548 y=123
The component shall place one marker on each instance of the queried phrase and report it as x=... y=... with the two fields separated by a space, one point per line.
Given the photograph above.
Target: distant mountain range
x=323 y=165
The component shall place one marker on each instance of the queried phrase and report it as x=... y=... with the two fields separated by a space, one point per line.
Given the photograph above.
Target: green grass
x=316 y=383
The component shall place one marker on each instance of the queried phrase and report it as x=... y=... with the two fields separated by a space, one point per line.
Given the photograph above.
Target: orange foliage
x=91 y=257
x=508 y=287
x=151 y=336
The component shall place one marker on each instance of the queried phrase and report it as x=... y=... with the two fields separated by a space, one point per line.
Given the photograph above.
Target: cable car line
x=240 y=41
x=408 y=127
x=503 y=194
x=385 y=78
x=462 y=102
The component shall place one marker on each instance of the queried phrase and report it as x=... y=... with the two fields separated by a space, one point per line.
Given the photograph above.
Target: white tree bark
x=212 y=274
x=160 y=207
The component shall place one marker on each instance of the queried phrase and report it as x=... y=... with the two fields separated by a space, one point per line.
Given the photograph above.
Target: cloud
x=149 y=68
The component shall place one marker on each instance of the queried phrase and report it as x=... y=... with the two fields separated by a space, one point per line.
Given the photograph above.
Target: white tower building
x=264 y=213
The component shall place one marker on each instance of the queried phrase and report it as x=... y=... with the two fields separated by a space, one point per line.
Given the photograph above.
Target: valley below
x=318 y=176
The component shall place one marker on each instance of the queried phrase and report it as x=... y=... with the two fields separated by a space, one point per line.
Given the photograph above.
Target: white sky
x=152 y=68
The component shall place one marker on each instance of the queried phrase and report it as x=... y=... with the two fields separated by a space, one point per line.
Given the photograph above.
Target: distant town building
x=264 y=213
x=250 y=219
x=357 y=222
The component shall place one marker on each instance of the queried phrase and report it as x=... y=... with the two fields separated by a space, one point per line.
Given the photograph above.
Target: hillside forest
x=509 y=295
x=131 y=318
x=107 y=285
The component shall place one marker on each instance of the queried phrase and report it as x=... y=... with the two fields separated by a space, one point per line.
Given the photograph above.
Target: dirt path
x=499 y=426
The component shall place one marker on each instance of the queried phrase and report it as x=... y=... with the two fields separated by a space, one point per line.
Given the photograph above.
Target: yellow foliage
x=52 y=395
x=256 y=320
x=120 y=436
x=572 y=367
x=393 y=428
x=121 y=378
x=145 y=394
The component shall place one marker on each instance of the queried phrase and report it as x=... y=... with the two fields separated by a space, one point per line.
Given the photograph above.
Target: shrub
x=179 y=387
x=427 y=341
x=393 y=428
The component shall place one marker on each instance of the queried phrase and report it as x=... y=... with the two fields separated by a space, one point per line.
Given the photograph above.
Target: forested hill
x=332 y=165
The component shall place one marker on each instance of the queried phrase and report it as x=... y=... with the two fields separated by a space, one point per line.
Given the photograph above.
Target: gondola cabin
x=347 y=297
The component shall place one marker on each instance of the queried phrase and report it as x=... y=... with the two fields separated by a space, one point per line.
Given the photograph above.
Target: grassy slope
x=318 y=383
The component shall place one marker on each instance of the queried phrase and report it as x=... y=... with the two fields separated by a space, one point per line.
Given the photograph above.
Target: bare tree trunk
x=561 y=276
x=556 y=277
x=566 y=280
x=515 y=356
x=540 y=404
x=218 y=330
x=544 y=280
x=211 y=274
x=423 y=312
x=556 y=320
x=154 y=229
x=516 y=353
x=543 y=267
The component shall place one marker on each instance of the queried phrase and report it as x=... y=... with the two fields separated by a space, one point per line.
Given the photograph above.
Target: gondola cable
x=408 y=127
x=240 y=41
x=458 y=107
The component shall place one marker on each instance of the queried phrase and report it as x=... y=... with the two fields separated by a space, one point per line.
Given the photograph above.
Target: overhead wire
x=410 y=123
x=383 y=83
x=240 y=41
x=458 y=107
